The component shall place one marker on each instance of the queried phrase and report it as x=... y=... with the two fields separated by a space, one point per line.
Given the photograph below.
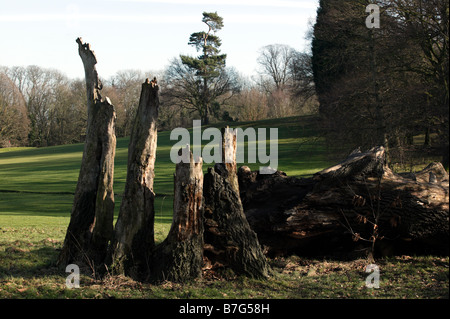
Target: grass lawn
x=36 y=194
x=40 y=181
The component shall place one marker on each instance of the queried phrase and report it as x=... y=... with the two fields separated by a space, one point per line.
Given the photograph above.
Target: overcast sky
x=144 y=34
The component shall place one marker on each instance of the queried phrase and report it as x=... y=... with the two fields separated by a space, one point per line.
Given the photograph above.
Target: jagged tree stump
x=134 y=231
x=91 y=222
x=229 y=240
x=357 y=205
x=179 y=257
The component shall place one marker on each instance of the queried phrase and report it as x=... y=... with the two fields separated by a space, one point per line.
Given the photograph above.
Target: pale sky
x=144 y=34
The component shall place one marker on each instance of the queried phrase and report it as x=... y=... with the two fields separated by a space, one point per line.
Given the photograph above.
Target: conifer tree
x=209 y=66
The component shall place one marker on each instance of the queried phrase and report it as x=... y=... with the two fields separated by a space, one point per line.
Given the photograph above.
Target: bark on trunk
x=134 y=232
x=229 y=240
x=344 y=208
x=179 y=257
x=91 y=223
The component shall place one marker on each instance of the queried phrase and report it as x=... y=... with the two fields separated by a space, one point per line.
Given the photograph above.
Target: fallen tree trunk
x=91 y=222
x=359 y=204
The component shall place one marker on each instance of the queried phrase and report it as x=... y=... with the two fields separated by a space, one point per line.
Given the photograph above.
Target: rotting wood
x=339 y=210
x=134 y=231
x=179 y=257
x=229 y=241
x=91 y=223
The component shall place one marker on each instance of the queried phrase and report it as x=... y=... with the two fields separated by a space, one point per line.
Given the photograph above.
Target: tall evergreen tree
x=209 y=66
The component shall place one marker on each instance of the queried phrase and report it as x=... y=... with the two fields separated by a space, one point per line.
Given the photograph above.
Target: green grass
x=55 y=169
x=28 y=270
x=36 y=194
x=51 y=171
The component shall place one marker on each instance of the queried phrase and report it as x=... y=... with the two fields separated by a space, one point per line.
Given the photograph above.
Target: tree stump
x=134 y=231
x=91 y=222
x=359 y=204
x=179 y=257
x=229 y=240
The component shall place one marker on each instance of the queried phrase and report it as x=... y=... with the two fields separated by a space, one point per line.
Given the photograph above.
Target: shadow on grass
x=21 y=262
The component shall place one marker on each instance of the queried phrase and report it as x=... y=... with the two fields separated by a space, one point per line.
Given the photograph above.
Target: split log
x=134 y=231
x=179 y=257
x=229 y=240
x=91 y=222
x=349 y=207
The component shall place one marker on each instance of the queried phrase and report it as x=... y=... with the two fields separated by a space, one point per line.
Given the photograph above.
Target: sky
x=144 y=34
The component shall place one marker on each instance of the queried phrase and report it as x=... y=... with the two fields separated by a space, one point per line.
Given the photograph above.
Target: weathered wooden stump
x=134 y=231
x=91 y=222
x=229 y=240
x=179 y=257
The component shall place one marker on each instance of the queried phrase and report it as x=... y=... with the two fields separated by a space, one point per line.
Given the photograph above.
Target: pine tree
x=208 y=66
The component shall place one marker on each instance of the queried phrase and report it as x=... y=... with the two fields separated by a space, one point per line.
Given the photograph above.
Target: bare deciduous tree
x=14 y=123
x=275 y=61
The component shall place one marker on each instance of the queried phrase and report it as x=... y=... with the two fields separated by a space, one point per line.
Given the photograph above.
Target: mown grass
x=41 y=181
x=36 y=194
x=55 y=169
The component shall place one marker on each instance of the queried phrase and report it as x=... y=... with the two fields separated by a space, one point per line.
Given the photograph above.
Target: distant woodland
x=43 y=107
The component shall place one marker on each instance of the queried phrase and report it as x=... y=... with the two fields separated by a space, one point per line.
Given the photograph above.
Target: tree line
x=388 y=85
x=43 y=107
